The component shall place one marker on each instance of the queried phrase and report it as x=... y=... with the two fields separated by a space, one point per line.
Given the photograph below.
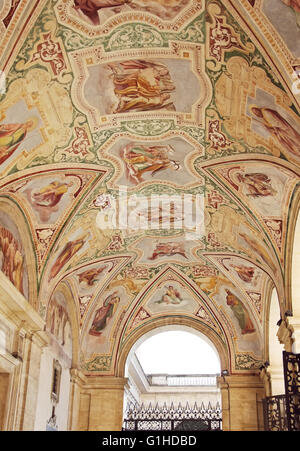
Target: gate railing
x=291 y=368
x=282 y=412
x=168 y=418
x=275 y=414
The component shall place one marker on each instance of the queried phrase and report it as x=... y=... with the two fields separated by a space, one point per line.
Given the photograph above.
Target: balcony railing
x=202 y=380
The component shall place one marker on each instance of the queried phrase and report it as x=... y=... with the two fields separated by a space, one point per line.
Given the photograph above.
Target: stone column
x=98 y=401
x=242 y=408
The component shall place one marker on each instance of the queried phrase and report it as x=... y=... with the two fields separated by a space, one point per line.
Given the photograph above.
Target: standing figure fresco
x=279 y=128
x=104 y=313
x=140 y=159
x=12 y=259
x=142 y=86
x=240 y=313
x=11 y=136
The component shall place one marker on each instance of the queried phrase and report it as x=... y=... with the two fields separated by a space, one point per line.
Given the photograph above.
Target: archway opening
x=177 y=353
x=171 y=369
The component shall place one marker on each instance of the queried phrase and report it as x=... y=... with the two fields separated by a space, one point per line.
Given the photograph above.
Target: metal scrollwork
x=171 y=418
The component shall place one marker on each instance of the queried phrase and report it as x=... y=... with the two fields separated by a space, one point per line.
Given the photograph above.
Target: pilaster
x=97 y=402
x=242 y=408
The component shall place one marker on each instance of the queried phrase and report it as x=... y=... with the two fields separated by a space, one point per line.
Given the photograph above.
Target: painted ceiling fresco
x=114 y=116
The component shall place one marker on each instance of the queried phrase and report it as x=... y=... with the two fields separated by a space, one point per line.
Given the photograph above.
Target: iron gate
x=275 y=413
x=141 y=418
x=282 y=412
x=291 y=367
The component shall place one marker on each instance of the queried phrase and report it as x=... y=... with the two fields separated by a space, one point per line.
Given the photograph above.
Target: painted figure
x=142 y=86
x=161 y=216
x=258 y=185
x=46 y=200
x=50 y=195
x=140 y=159
x=12 y=259
x=240 y=313
x=245 y=273
x=276 y=227
x=11 y=136
x=282 y=131
x=90 y=8
x=90 y=276
x=104 y=313
x=70 y=249
x=172 y=296
x=168 y=249
x=165 y=9
x=295 y=5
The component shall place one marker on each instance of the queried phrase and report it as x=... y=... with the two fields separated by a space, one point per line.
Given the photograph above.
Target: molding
x=17 y=311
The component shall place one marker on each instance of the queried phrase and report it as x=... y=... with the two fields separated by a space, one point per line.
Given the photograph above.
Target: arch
x=134 y=339
x=14 y=221
x=173 y=328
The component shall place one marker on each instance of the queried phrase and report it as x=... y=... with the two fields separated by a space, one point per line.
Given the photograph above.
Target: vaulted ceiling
x=109 y=104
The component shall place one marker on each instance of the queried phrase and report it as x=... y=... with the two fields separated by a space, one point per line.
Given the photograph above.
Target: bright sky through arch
x=177 y=352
